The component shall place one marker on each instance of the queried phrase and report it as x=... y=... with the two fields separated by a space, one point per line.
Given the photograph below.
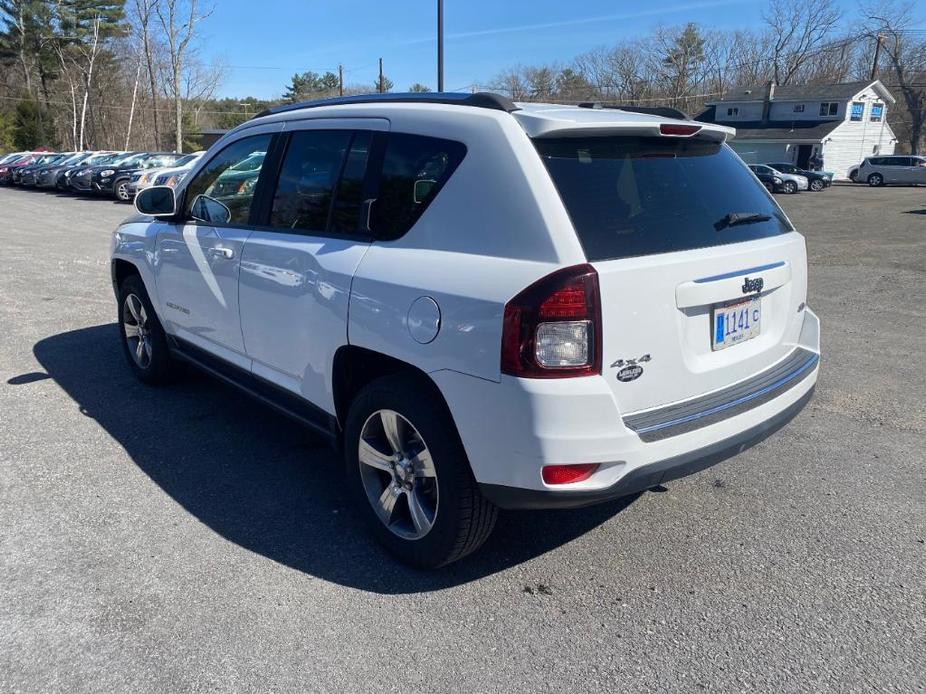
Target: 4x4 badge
x=630 y=369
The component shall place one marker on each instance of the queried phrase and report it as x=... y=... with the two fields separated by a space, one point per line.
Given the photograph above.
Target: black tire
x=875 y=180
x=155 y=365
x=790 y=187
x=769 y=187
x=121 y=190
x=817 y=185
x=853 y=175
x=463 y=519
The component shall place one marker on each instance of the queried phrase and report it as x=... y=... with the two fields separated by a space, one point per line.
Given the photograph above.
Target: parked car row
x=109 y=173
x=781 y=177
x=895 y=169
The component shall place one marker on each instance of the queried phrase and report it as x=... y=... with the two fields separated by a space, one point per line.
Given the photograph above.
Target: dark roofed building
x=843 y=123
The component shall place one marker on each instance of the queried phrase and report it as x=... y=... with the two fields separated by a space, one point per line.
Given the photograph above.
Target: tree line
x=129 y=74
x=798 y=42
x=102 y=74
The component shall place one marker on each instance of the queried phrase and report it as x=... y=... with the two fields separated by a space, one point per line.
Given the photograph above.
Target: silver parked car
x=902 y=169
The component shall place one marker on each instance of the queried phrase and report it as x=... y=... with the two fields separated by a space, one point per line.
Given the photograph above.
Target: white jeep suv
x=484 y=304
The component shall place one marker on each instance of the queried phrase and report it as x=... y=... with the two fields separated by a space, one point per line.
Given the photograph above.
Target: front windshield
x=100 y=159
x=186 y=159
x=130 y=159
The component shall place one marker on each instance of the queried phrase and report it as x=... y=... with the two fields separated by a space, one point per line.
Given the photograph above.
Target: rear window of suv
x=634 y=196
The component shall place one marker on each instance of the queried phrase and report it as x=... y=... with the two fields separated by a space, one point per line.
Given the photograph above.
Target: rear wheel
x=410 y=476
x=769 y=187
x=790 y=187
x=875 y=180
x=816 y=185
x=144 y=341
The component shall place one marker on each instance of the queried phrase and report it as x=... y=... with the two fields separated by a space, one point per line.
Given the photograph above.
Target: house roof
x=815 y=130
x=843 y=91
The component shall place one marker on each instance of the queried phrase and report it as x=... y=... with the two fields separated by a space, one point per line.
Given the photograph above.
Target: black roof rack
x=664 y=111
x=479 y=100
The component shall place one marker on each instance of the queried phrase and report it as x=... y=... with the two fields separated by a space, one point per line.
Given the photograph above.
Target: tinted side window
x=348 y=200
x=233 y=190
x=310 y=170
x=415 y=168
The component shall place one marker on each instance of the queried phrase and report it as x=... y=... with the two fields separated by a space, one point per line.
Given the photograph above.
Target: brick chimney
x=767 y=102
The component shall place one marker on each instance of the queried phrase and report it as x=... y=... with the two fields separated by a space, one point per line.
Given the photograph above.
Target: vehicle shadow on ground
x=261 y=480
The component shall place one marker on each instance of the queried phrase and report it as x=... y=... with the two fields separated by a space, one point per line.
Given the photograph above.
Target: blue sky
x=265 y=43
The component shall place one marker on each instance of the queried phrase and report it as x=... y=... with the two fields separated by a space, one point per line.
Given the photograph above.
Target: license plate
x=735 y=322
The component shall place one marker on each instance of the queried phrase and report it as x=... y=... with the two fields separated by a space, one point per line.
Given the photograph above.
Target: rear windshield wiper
x=734 y=218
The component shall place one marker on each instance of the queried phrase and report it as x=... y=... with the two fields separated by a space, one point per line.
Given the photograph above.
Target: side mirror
x=157 y=201
x=423 y=188
x=209 y=210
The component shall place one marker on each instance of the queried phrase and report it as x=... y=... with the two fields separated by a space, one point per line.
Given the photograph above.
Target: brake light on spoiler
x=678 y=129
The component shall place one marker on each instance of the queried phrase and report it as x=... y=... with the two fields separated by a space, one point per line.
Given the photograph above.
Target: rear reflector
x=678 y=130
x=567 y=474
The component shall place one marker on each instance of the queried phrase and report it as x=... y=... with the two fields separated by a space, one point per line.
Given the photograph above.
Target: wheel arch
x=120 y=268
x=355 y=367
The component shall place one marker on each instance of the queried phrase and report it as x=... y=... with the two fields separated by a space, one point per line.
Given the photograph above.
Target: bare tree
x=798 y=28
x=178 y=19
x=905 y=54
x=143 y=10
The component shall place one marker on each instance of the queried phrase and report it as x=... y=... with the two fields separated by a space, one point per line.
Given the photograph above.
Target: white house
x=844 y=123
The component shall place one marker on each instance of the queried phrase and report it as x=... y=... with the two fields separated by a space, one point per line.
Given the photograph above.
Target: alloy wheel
x=137 y=333
x=122 y=191
x=398 y=474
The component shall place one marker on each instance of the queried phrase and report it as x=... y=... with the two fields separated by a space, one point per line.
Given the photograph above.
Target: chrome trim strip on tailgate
x=682 y=417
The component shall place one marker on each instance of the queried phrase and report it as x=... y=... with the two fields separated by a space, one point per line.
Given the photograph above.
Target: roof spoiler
x=488 y=100
x=664 y=111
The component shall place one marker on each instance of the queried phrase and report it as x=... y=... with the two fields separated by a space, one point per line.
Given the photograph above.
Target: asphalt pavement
x=188 y=539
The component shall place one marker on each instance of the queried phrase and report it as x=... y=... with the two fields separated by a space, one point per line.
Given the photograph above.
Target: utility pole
x=340 y=80
x=440 y=45
x=874 y=64
x=381 y=84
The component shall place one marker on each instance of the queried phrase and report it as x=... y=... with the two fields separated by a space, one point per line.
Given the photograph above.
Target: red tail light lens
x=567 y=474
x=552 y=329
x=678 y=130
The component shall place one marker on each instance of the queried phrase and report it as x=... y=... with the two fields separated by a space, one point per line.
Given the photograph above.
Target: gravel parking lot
x=188 y=539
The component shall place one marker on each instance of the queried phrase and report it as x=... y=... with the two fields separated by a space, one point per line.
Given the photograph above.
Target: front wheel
x=790 y=187
x=875 y=180
x=816 y=185
x=144 y=341
x=410 y=476
x=121 y=190
x=769 y=187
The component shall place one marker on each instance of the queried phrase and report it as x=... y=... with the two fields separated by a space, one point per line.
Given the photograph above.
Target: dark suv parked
x=772 y=183
x=816 y=180
x=113 y=179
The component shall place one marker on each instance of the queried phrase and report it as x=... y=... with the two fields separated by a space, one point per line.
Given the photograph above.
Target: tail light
x=552 y=329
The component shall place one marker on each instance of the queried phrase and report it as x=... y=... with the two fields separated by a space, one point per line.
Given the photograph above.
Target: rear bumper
x=513 y=428
x=645 y=476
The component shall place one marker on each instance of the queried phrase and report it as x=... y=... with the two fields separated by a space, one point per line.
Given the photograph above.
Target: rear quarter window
x=414 y=170
x=635 y=196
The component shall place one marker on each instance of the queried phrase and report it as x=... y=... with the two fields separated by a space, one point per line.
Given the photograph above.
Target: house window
x=877 y=113
x=798 y=108
x=733 y=111
x=829 y=108
x=858 y=110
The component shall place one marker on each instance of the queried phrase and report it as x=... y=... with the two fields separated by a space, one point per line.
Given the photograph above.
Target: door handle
x=225 y=253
